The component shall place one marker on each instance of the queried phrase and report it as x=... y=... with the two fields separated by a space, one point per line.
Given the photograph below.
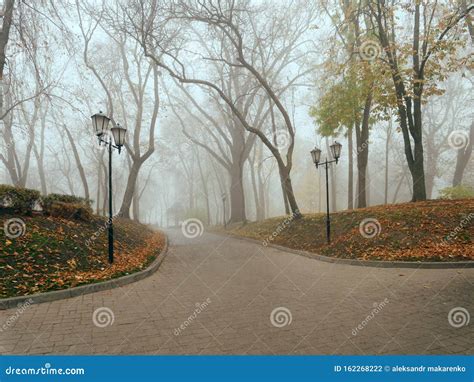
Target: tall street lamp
x=100 y=122
x=316 y=155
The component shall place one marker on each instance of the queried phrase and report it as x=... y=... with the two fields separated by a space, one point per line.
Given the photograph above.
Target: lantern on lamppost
x=100 y=122
x=316 y=155
x=118 y=132
x=336 y=148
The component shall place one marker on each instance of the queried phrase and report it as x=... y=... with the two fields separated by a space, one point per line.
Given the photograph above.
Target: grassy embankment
x=56 y=253
x=437 y=230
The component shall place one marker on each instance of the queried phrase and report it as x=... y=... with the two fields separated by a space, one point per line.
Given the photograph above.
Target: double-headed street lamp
x=101 y=125
x=316 y=155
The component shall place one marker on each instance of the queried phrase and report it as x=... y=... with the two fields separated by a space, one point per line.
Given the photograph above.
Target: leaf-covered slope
x=55 y=253
x=438 y=230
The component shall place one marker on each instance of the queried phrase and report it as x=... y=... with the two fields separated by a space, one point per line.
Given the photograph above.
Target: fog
x=224 y=100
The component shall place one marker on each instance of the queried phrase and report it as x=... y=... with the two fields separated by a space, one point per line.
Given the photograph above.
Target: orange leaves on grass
x=422 y=231
x=55 y=253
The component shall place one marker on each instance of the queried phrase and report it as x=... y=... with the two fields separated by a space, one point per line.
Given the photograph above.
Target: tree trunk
x=418 y=168
x=261 y=211
x=254 y=188
x=409 y=107
x=208 y=209
x=7 y=13
x=362 y=141
x=350 y=178
x=333 y=188
x=387 y=147
x=332 y=182
x=257 y=182
x=9 y=160
x=320 y=192
x=285 y=196
x=463 y=155
x=282 y=178
x=361 y=186
x=42 y=175
x=367 y=183
x=78 y=164
x=418 y=174
x=204 y=187
x=39 y=154
x=237 y=197
x=136 y=207
x=288 y=187
x=130 y=189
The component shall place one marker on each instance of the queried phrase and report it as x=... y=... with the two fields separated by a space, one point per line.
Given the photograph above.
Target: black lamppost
x=101 y=125
x=224 y=197
x=316 y=155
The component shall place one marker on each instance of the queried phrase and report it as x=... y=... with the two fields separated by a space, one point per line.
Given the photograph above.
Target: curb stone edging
x=12 y=302
x=361 y=263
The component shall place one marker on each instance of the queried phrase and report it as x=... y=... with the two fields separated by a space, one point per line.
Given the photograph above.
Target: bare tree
x=21 y=103
x=137 y=73
x=7 y=17
x=139 y=92
x=226 y=20
x=443 y=114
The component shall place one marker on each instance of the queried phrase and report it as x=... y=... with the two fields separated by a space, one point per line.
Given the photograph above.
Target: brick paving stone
x=317 y=305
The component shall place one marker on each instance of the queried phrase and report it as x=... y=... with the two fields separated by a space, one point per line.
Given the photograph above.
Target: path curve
x=219 y=295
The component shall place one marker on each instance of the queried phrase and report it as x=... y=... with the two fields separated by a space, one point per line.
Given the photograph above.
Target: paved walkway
x=218 y=295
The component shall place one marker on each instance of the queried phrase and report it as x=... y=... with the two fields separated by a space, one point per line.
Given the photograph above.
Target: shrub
x=67 y=207
x=47 y=201
x=19 y=200
x=70 y=211
x=458 y=192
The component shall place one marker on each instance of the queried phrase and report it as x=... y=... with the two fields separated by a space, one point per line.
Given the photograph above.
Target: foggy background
x=67 y=60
